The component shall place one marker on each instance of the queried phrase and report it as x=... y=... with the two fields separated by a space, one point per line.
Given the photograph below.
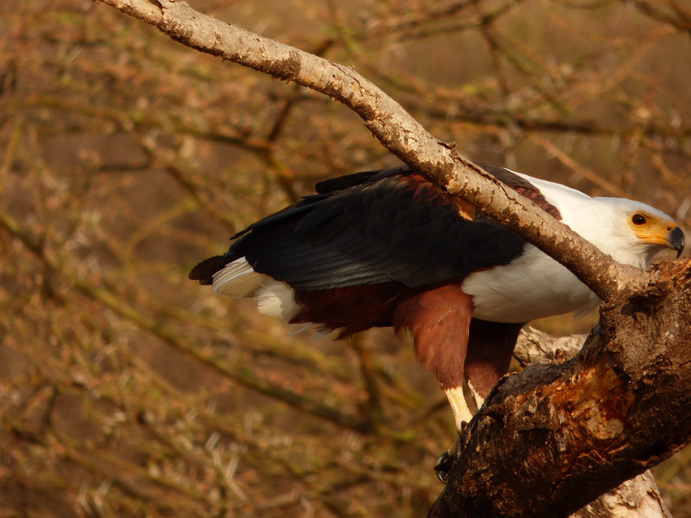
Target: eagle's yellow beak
x=654 y=230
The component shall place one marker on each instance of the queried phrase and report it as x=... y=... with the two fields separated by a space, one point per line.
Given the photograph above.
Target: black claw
x=443 y=466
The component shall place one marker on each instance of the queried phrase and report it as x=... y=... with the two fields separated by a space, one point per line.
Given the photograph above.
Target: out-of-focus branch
x=535 y=346
x=238 y=374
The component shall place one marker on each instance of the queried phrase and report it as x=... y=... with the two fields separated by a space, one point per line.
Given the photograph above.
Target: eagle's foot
x=442 y=466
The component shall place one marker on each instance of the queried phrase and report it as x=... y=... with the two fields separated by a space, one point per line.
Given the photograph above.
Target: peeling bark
x=635 y=498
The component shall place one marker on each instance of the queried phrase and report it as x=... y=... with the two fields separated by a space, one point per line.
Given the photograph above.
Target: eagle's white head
x=629 y=231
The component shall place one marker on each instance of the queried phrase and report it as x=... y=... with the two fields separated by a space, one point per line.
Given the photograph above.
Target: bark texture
x=564 y=433
x=635 y=498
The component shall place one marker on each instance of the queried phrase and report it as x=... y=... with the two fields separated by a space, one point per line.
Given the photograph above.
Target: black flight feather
x=373 y=227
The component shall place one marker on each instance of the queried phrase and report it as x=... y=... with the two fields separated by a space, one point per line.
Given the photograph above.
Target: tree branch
x=635 y=498
x=567 y=432
x=393 y=127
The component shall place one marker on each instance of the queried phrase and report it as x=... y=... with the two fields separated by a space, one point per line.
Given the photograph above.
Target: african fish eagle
x=387 y=248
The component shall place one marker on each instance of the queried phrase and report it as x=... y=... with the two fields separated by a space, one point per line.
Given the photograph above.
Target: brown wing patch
x=427 y=192
x=536 y=197
x=351 y=309
x=439 y=320
x=432 y=194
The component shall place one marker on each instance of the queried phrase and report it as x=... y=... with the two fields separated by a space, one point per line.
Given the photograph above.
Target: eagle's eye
x=639 y=219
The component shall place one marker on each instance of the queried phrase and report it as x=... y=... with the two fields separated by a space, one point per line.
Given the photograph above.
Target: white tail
x=238 y=279
x=274 y=298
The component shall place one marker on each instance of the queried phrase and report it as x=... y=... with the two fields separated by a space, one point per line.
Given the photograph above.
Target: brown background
x=125 y=158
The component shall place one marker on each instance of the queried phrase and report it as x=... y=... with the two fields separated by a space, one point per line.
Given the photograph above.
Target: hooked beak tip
x=676 y=240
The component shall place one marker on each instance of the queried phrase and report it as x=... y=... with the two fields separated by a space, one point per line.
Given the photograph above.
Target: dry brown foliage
x=127 y=390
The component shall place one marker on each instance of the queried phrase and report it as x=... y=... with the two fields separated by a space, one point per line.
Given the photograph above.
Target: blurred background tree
x=125 y=158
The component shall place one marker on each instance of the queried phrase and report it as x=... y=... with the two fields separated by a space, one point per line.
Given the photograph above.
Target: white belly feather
x=531 y=287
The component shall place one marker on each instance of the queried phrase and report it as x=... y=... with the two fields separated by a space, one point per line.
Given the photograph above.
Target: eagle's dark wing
x=369 y=228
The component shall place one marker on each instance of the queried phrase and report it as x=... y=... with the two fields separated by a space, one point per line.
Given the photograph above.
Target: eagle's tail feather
x=238 y=279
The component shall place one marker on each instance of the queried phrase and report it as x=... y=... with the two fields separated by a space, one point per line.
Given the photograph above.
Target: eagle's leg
x=463 y=405
x=489 y=351
x=463 y=408
x=439 y=320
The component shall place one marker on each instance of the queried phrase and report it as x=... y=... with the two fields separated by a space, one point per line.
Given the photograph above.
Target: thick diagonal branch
x=635 y=498
x=393 y=126
x=563 y=434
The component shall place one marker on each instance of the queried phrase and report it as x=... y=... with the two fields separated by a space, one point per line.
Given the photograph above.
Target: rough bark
x=635 y=498
x=562 y=434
